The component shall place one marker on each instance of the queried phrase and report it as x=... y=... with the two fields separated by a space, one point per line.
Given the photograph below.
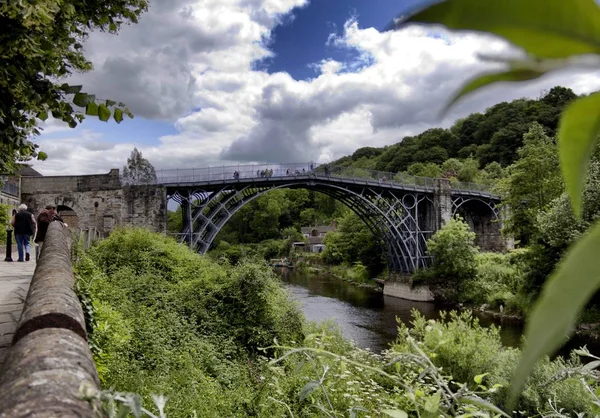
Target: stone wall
x=419 y=293
x=50 y=359
x=99 y=202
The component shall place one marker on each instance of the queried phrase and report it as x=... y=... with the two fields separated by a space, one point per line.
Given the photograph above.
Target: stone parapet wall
x=49 y=359
x=60 y=184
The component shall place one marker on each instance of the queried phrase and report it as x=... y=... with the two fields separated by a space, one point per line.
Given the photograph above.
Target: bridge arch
x=392 y=217
x=483 y=217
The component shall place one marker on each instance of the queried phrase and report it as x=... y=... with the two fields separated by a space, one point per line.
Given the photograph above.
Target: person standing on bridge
x=25 y=226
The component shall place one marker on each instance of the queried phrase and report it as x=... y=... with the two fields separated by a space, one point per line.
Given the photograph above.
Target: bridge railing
x=291 y=170
x=309 y=169
x=471 y=187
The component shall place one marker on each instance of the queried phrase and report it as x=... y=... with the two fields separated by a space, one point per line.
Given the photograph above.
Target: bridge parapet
x=50 y=358
x=254 y=172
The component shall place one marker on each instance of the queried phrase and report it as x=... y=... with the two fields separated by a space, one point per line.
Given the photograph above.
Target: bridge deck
x=15 y=278
x=201 y=182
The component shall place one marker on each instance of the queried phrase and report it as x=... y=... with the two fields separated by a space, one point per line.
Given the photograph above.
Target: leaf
x=123 y=411
x=42 y=156
x=357 y=408
x=432 y=404
x=543 y=28
x=43 y=115
x=81 y=99
x=110 y=103
x=118 y=115
x=308 y=389
x=103 y=113
x=135 y=403
x=471 y=400
x=395 y=413
x=91 y=109
x=479 y=378
x=564 y=294
x=515 y=74
x=578 y=129
x=591 y=366
x=70 y=89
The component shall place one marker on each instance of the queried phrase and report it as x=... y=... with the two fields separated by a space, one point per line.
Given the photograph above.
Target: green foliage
x=493 y=136
x=578 y=133
x=42 y=43
x=453 y=251
x=552 y=33
x=497 y=282
x=474 y=355
x=268 y=215
x=532 y=183
x=353 y=242
x=564 y=295
x=356 y=273
x=169 y=321
x=138 y=170
x=5 y=215
x=174 y=221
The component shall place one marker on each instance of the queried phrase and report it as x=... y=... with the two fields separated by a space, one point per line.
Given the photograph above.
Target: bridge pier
x=442 y=203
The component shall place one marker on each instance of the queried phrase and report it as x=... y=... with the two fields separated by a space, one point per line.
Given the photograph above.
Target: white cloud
x=186 y=55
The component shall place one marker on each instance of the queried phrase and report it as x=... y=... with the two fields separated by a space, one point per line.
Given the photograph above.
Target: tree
x=352 y=242
x=42 y=43
x=533 y=182
x=558 y=228
x=138 y=170
x=453 y=252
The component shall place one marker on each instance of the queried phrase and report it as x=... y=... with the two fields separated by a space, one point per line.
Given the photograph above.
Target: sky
x=220 y=82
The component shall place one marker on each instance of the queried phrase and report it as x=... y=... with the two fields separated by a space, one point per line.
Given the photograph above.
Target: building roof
x=28 y=171
x=318 y=228
x=315 y=240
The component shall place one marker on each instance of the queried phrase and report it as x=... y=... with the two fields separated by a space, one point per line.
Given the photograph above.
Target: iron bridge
x=402 y=210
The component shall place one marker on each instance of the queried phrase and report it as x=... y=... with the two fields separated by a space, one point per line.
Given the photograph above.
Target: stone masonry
x=99 y=202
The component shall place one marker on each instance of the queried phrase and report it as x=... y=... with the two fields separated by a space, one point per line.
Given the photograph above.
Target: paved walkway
x=14 y=284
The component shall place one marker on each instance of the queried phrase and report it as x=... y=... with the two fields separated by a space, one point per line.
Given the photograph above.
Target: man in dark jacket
x=44 y=218
x=24 y=224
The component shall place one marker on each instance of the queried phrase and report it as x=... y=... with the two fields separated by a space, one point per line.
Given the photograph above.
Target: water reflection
x=369 y=318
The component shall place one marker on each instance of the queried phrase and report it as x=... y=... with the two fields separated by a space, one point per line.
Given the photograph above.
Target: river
x=369 y=318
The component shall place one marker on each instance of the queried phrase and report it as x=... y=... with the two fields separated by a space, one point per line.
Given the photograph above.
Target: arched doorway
x=68 y=215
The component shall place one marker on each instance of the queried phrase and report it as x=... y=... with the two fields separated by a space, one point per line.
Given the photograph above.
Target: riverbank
x=338 y=273
x=583 y=331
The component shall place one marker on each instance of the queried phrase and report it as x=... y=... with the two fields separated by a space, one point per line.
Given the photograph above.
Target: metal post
x=8 y=244
x=190 y=224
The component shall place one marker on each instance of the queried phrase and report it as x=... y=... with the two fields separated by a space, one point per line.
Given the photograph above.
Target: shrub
x=5 y=215
x=496 y=281
x=465 y=349
x=454 y=252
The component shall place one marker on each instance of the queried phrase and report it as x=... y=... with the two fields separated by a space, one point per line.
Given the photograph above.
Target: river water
x=369 y=318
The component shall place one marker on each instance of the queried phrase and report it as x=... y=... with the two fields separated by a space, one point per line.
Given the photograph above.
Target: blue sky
x=303 y=41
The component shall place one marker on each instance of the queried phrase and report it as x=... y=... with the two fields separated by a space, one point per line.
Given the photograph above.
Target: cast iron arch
x=391 y=217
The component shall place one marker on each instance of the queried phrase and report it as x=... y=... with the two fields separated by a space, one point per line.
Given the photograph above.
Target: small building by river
x=315 y=235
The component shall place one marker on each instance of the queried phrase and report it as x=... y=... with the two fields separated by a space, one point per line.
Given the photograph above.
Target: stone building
x=96 y=204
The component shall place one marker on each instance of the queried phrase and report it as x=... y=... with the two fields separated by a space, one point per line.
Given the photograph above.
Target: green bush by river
x=227 y=341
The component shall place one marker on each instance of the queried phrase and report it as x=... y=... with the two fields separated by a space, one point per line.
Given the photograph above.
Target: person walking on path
x=24 y=224
x=44 y=218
